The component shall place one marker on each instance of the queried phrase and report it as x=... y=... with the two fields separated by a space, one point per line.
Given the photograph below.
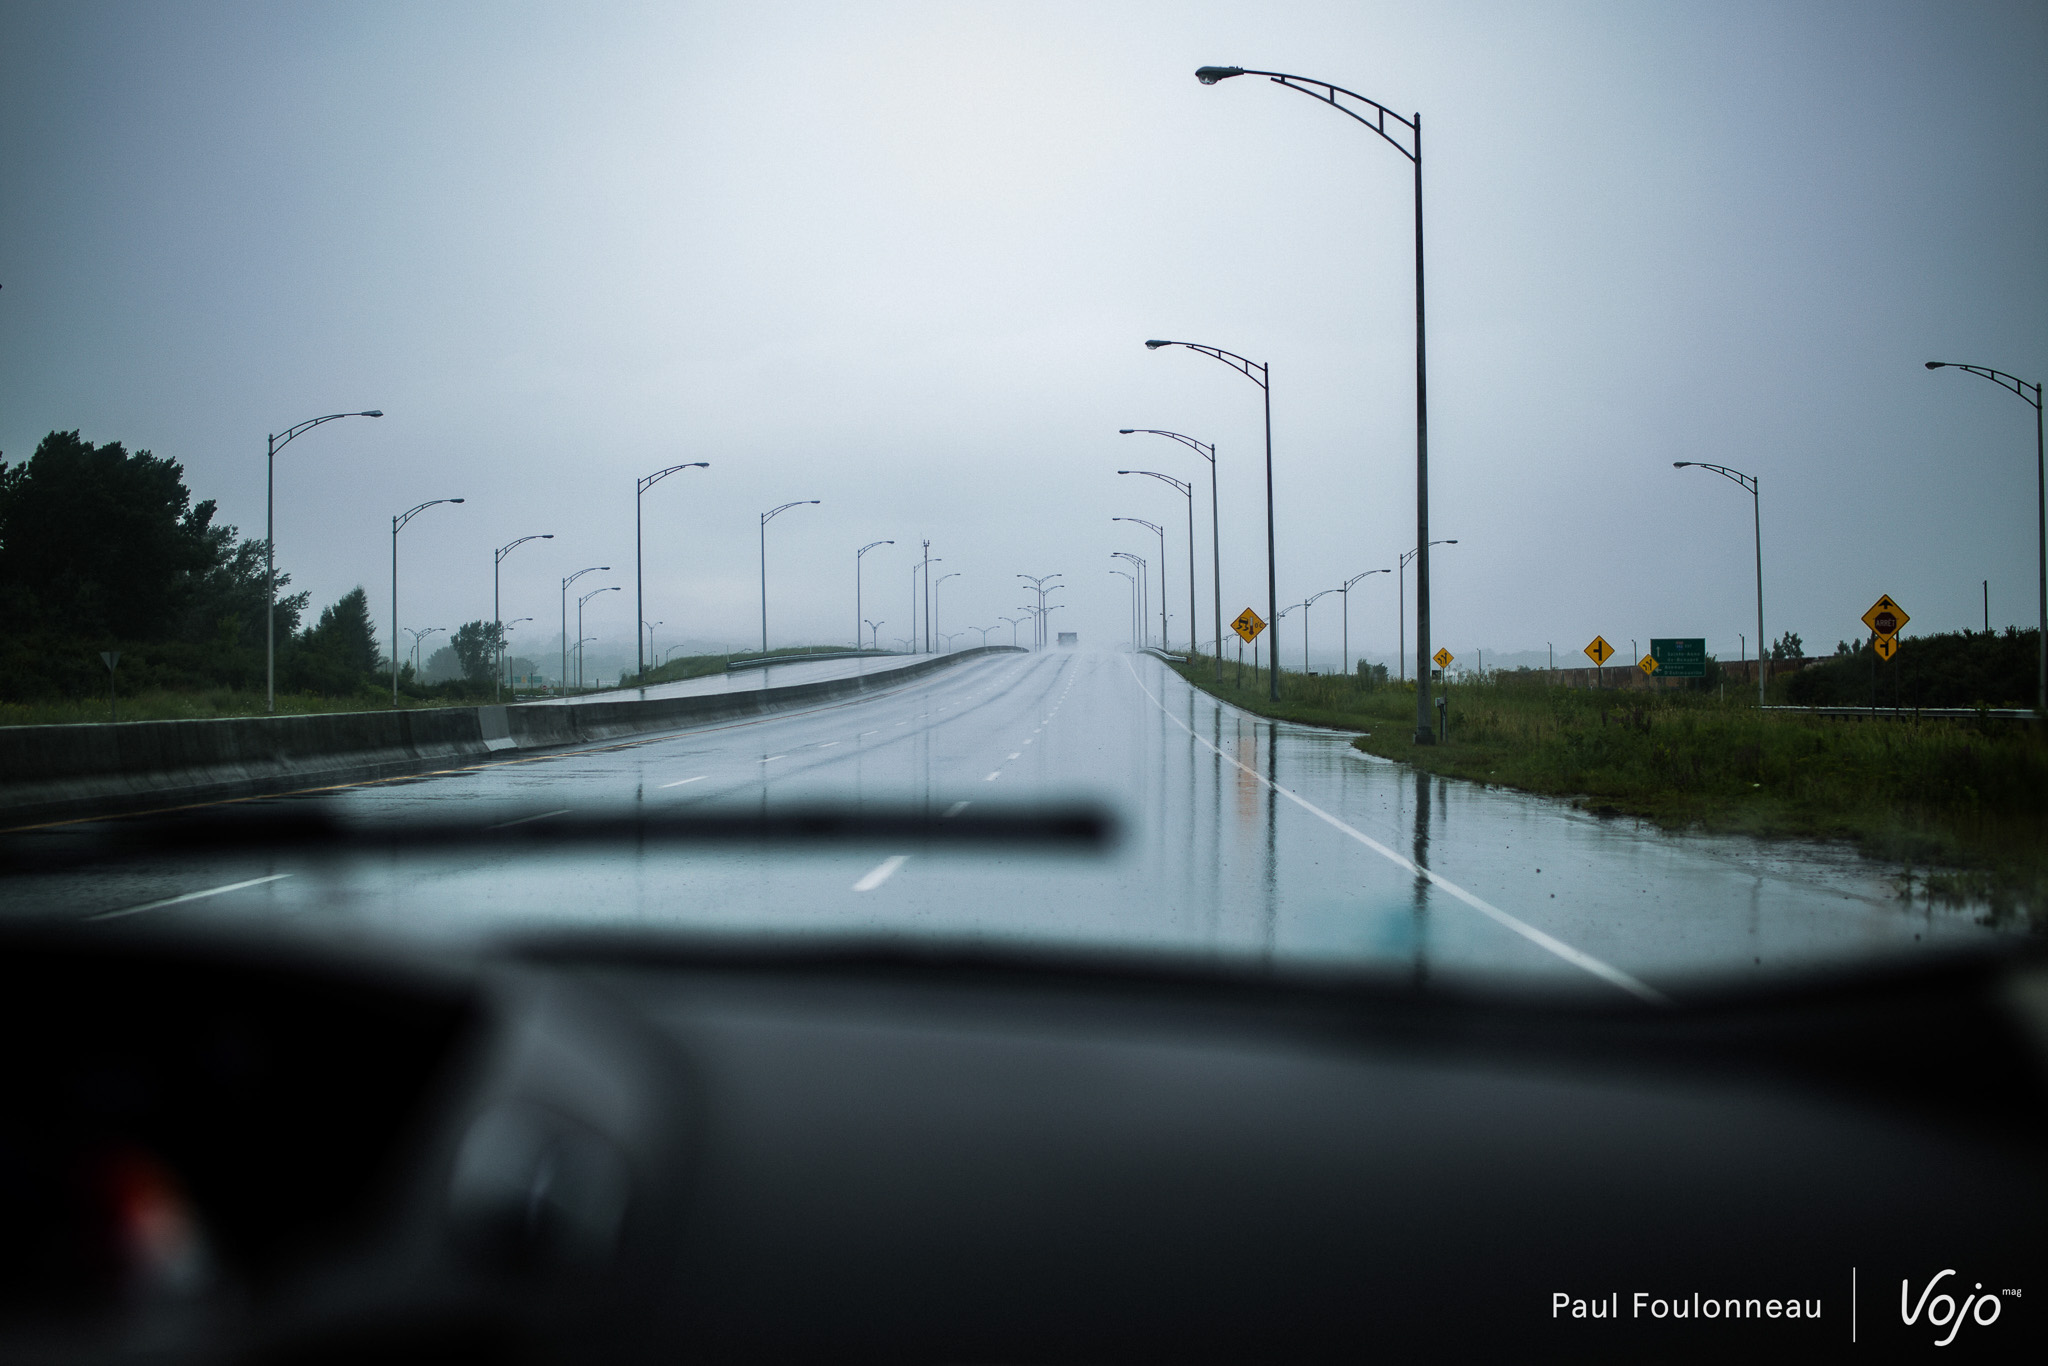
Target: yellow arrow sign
x=1887 y=646
x=1600 y=651
x=1248 y=625
x=1885 y=617
x=1648 y=664
x=1443 y=658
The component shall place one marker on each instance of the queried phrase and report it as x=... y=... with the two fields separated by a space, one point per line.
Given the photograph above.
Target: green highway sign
x=1680 y=657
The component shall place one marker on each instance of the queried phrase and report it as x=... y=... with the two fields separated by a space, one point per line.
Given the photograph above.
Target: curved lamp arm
x=1327 y=93
x=1230 y=358
x=505 y=550
x=310 y=423
x=649 y=481
x=1185 y=490
x=1205 y=449
x=1366 y=575
x=398 y=522
x=772 y=513
x=1998 y=377
x=594 y=569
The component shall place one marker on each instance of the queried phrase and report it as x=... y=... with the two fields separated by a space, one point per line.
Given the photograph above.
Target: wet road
x=1242 y=838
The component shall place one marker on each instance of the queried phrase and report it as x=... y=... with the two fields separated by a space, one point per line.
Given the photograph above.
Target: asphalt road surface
x=1242 y=838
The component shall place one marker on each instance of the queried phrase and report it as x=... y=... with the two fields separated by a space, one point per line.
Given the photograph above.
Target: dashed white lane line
x=866 y=733
x=507 y=825
x=680 y=781
x=189 y=896
x=956 y=808
x=773 y=757
x=881 y=872
x=1017 y=756
x=1604 y=971
x=828 y=744
x=993 y=776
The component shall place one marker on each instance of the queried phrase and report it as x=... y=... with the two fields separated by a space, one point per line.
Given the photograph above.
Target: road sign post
x=1247 y=625
x=1679 y=657
x=1600 y=652
x=1885 y=620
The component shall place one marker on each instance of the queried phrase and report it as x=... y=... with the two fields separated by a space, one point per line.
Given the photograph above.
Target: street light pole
x=766 y=518
x=857 y=617
x=1263 y=379
x=1377 y=119
x=1137 y=562
x=1304 y=626
x=1401 y=640
x=1346 y=591
x=935 y=597
x=1749 y=484
x=277 y=443
x=497 y=618
x=509 y=686
x=2020 y=387
x=1207 y=451
x=580 y=637
x=1186 y=491
x=1038 y=584
x=645 y=483
x=594 y=569
x=1160 y=532
x=875 y=630
x=397 y=522
x=1133 y=582
x=417 y=637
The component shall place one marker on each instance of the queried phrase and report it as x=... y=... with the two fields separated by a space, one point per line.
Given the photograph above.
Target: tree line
x=104 y=549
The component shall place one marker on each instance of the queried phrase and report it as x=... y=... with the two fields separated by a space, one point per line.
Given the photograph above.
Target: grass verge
x=1960 y=807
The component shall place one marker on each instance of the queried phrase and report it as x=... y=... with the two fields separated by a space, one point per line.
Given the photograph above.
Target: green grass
x=1960 y=807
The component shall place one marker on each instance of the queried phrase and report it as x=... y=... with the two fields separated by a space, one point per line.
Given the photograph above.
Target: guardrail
x=768 y=661
x=1920 y=713
x=1157 y=653
x=55 y=772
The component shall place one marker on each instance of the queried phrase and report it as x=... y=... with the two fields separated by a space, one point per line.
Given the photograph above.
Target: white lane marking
x=957 y=807
x=1028 y=742
x=866 y=733
x=680 y=781
x=773 y=757
x=881 y=872
x=902 y=723
x=828 y=744
x=189 y=896
x=1577 y=958
x=1016 y=756
x=507 y=825
x=993 y=776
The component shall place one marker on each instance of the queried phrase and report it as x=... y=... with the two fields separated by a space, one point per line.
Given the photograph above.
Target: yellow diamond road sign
x=1443 y=658
x=1248 y=625
x=1887 y=646
x=1648 y=664
x=1885 y=617
x=1599 y=651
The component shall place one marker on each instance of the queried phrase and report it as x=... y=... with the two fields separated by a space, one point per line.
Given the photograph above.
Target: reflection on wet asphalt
x=1242 y=838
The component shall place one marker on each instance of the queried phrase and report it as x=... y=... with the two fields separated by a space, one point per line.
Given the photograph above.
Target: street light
x=1160 y=532
x=509 y=686
x=857 y=557
x=1207 y=451
x=1290 y=607
x=649 y=626
x=580 y=637
x=1263 y=379
x=1749 y=484
x=1401 y=589
x=645 y=483
x=1304 y=625
x=1138 y=563
x=397 y=522
x=2020 y=387
x=594 y=569
x=1186 y=491
x=498 y=621
x=875 y=634
x=1376 y=120
x=1132 y=580
x=1015 y=622
x=766 y=518
x=1038 y=584
x=1346 y=591
x=935 y=586
x=278 y=443
x=417 y=637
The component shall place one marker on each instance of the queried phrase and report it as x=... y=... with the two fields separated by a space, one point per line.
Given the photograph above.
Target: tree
x=476 y=645
x=1789 y=646
x=338 y=654
x=98 y=543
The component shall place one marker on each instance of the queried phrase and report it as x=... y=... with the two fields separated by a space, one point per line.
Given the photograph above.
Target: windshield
x=947 y=415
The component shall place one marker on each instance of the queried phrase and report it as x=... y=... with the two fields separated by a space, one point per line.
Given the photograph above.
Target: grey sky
x=901 y=258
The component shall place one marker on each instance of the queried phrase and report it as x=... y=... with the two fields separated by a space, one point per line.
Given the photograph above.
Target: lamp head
x=1125 y=431
x=1124 y=471
x=1680 y=464
x=1451 y=542
x=455 y=500
x=374 y=412
x=1209 y=75
x=1936 y=364
x=547 y=536
x=1155 y=345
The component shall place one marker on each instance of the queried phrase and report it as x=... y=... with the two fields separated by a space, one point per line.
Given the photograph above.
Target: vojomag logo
x=1942 y=1311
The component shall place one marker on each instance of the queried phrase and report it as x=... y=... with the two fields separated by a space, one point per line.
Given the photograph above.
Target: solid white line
x=680 y=781
x=507 y=825
x=773 y=757
x=828 y=744
x=1575 y=957
x=881 y=872
x=189 y=896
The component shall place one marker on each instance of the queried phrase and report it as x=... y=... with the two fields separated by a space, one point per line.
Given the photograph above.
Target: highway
x=1241 y=838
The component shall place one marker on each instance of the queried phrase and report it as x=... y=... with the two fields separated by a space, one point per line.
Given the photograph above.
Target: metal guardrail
x=765 y=661
x=1920 y=713
x=1157 y=653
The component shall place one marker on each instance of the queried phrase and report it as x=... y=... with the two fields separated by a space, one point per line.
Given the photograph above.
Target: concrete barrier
x=55 y=772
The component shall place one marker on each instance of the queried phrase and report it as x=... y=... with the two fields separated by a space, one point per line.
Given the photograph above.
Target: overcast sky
x=902 y=258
